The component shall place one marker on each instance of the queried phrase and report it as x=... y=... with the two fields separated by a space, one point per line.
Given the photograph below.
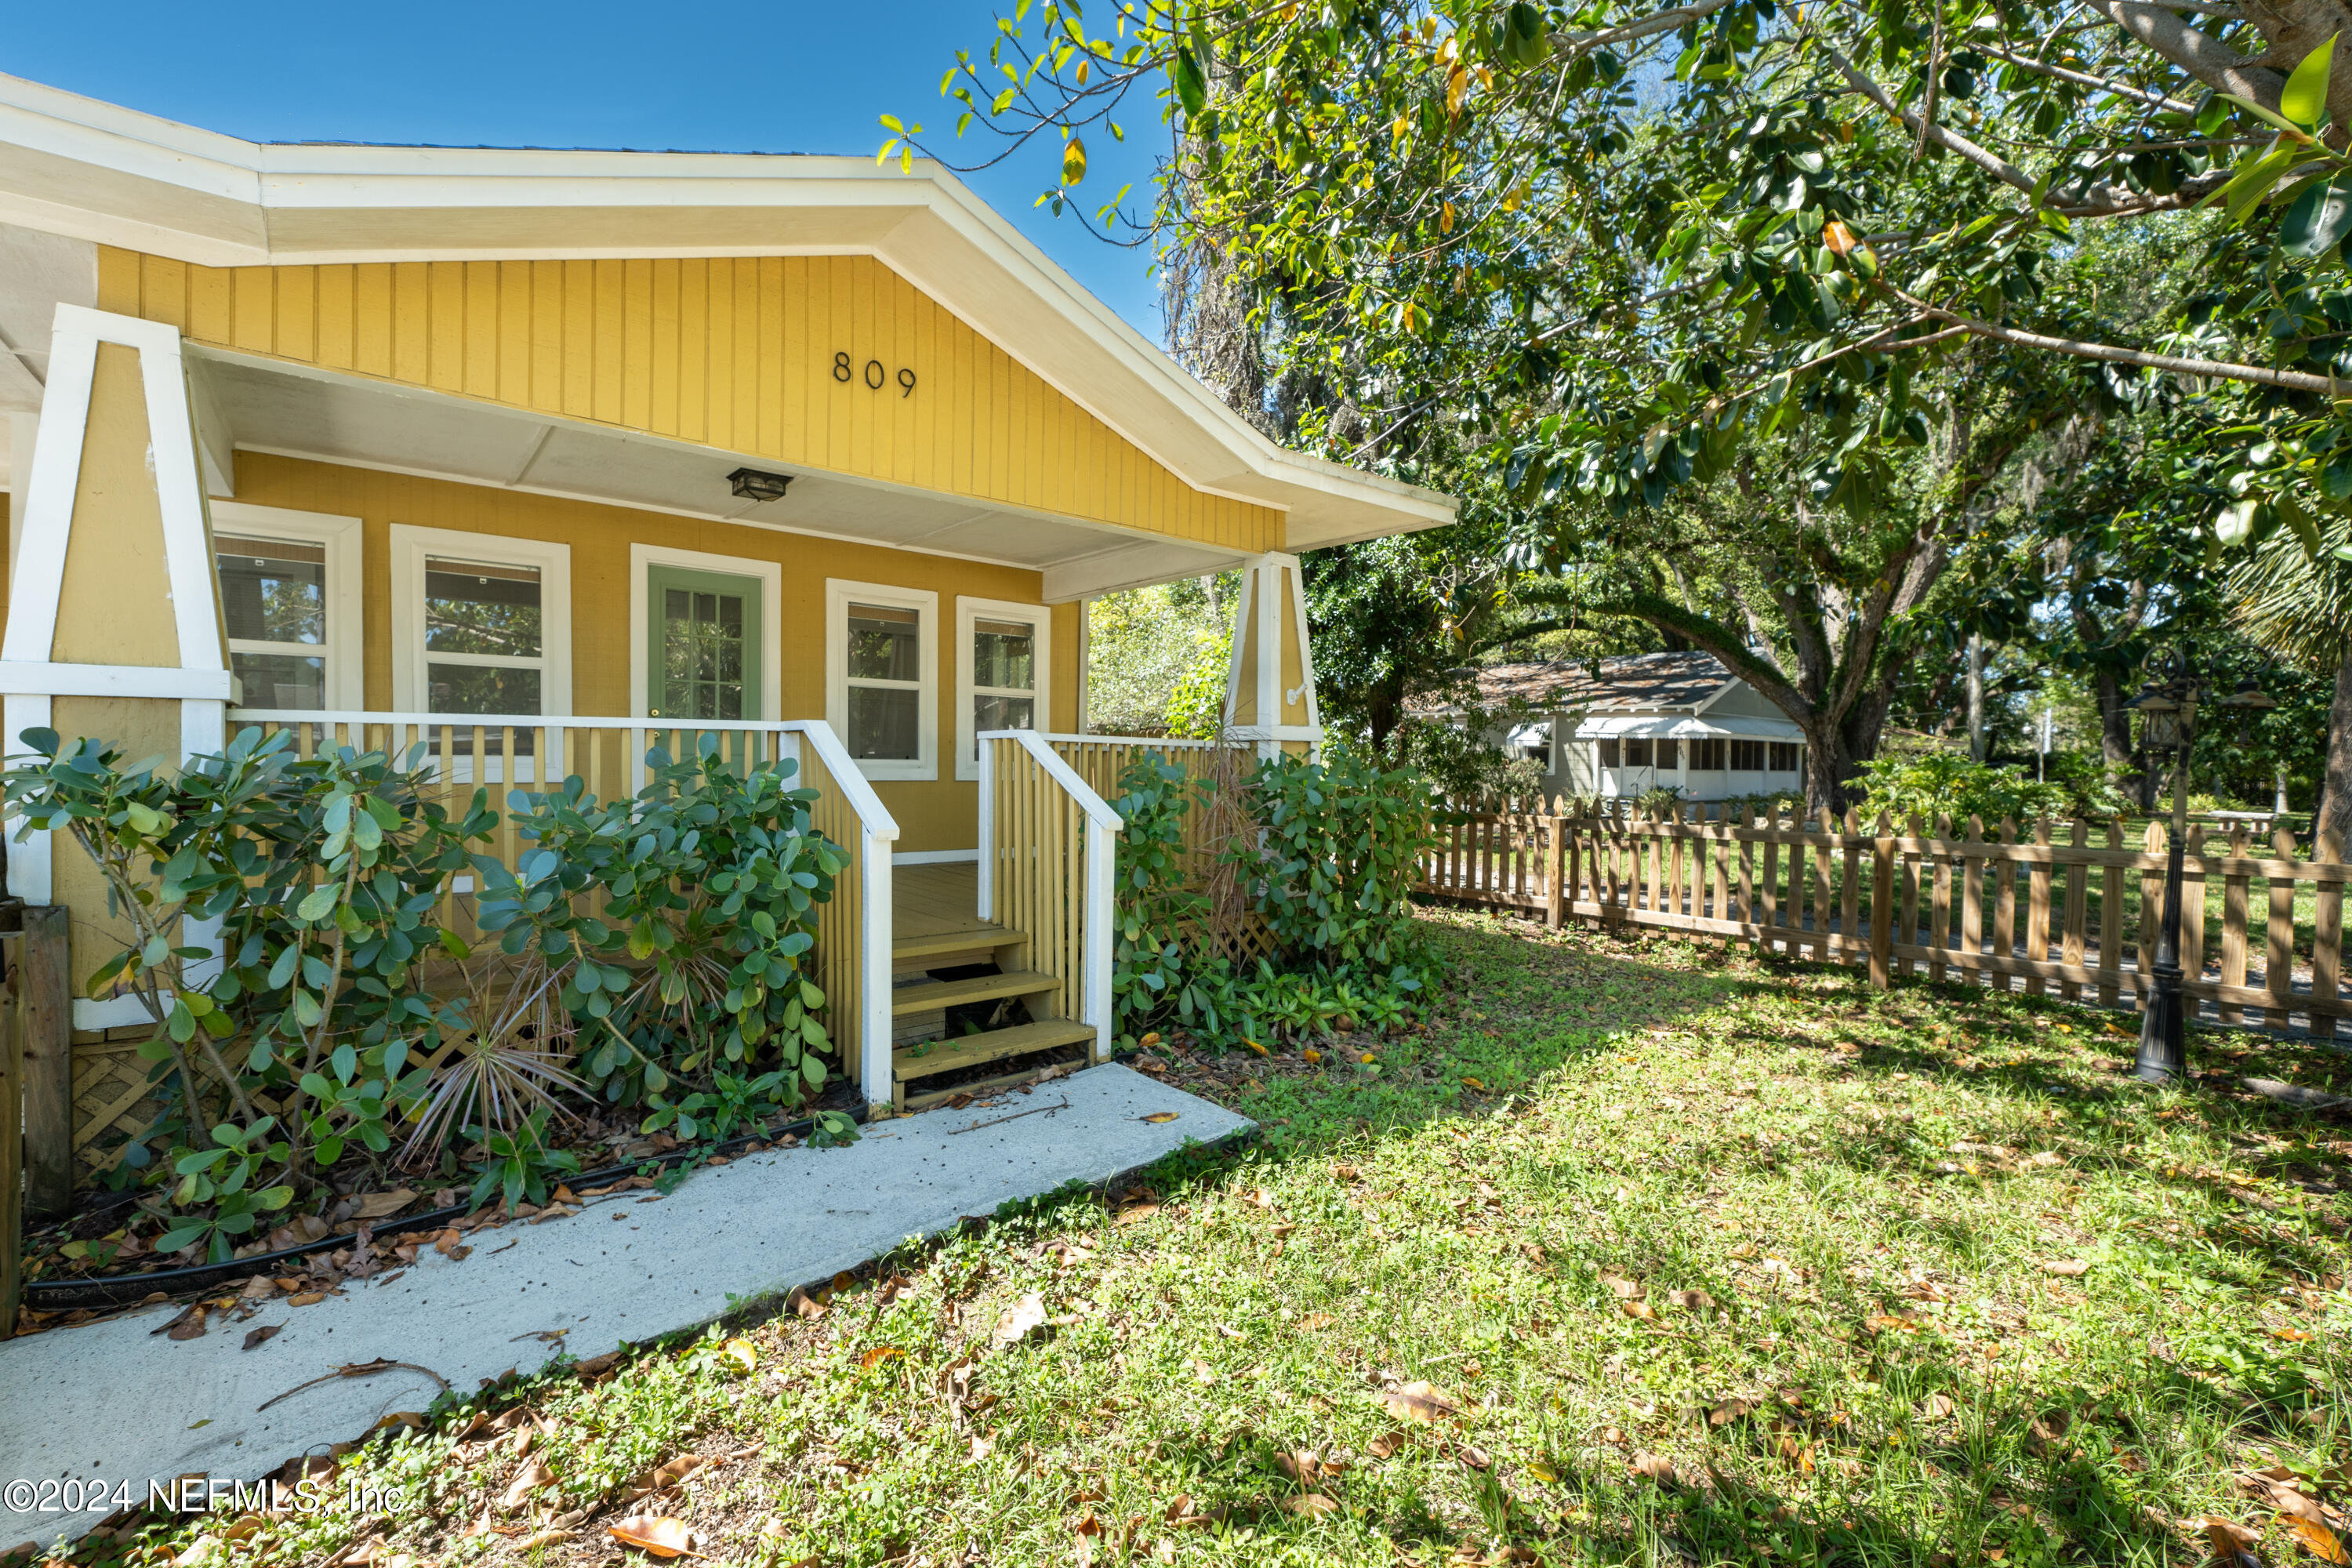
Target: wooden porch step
x=947 y=1056
x=934 y=994
x=964 y=941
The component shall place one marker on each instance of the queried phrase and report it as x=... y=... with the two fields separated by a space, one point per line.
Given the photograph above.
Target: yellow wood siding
x=940 y=814
x=736 y=353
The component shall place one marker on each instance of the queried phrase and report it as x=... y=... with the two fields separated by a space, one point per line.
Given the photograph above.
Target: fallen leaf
x=1020 y=1319
x=662 y=1476
x=1309 y=1503
x=596 y=1366
x=2071 y=1268
x=529 y=1479
x=2317 y=1539
x=543 y=1539
x=1475 y=1458
x=1419 y=1401
x=1691 y=1300
x=1161 y=1116
x=1636 y=1309
x=877 y=1355
x=1344 y=1172
x=806 y=1305
x=306 y=1299
x=1622 y=1288
x=260 y=1288
x=740 y=1354
x=1386 y=1444
x=659 y=1535
x=1935 y=1406
x=1657 y=1467
x=1315 y=1322
x=1256 y=1046
x=263 y=1335
x=1203 y=1370
x=375 y=1205
x=2233 y=1542
x=1469 y=1082
x=1135 y=1214
x=1729 y=1410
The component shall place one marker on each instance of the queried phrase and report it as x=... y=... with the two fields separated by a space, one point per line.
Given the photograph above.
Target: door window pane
x=1637 y=753
x=481 y=688
x=883 y=722
x=474 y=607
x=702 y=655
x=279 y=680
x=273 y=592
x=884 y=643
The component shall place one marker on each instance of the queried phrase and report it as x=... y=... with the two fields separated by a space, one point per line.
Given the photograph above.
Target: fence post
x=1555 y=873
x=1881 y=908
x=12 y=1148
x=44 y=1009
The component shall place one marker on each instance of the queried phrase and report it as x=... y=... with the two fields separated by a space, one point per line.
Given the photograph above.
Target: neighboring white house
x=1646 y=719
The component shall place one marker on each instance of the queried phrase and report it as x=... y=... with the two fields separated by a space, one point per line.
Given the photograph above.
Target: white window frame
x=839 y=594
x=344 y=649
x=410 y=546
x=970 y=612
x=770 y=574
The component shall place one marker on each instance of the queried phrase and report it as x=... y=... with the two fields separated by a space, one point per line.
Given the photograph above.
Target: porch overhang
x=1685 y=727
x=74 y=166
x=262 y=404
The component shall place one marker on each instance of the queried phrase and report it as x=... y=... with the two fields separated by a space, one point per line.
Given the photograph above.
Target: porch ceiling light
x=753 y=484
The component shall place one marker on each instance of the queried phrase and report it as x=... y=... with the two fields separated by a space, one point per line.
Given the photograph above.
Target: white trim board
x=771 y=577
x=936 y=858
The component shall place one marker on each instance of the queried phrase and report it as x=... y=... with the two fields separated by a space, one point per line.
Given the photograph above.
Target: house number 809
x=873 y=374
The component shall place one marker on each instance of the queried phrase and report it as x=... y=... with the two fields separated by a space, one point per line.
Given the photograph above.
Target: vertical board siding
x=735 y=352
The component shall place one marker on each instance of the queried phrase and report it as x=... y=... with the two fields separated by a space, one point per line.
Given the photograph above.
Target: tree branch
x=2147 y=94
x=2260 y=375
x=2215 y=65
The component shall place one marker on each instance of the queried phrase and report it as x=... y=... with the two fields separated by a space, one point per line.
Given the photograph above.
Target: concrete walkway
x=117 y=1402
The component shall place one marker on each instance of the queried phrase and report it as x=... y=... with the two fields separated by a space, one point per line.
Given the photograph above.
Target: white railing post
x=1101 y=935
x=874 y=1044
x=986 y=909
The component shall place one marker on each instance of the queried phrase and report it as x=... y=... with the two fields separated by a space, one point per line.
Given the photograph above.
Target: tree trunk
x=1975 y=699
x=2115 y=730
x=2334 y=814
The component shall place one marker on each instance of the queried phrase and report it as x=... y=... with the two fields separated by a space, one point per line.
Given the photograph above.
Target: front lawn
x=1645 y=1252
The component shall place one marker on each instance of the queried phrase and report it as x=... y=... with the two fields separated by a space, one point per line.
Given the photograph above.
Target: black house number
x=873 y=374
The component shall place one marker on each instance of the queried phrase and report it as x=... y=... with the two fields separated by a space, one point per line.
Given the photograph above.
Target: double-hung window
x=1002 y=655
x=481 y=624
x=882 y=672
x=1784 y=756
x=290 y=601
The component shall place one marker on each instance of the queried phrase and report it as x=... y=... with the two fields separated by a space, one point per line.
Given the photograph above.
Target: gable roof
x=93 y=170
x=1624 y=683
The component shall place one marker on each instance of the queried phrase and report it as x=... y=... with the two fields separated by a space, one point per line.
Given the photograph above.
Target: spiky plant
x=503 y=1059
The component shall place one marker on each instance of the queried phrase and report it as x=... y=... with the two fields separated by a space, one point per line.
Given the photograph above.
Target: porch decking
x=935 y=925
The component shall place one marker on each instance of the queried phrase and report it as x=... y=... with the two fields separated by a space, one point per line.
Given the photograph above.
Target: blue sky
x=776 y=78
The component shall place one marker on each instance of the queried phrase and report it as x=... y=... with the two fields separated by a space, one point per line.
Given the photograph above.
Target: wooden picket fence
x=2071 y=912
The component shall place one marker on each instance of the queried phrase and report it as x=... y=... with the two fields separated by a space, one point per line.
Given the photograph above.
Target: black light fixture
x=754 y=484
x=2167 y=710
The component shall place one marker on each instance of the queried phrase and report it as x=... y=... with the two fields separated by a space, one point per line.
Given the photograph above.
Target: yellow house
x=539 y=457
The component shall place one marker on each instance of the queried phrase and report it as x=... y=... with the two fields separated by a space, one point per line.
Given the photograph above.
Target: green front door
x=703 y=661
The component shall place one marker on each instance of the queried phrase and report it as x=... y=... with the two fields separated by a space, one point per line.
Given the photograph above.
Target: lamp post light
x=2168 y=710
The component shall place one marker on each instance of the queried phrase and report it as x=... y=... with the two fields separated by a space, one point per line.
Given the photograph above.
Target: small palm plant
x=505 y=1041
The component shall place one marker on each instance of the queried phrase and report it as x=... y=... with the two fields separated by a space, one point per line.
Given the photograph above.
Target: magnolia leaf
x=2304 y=97
x=2318 y=218
x=1074 y=161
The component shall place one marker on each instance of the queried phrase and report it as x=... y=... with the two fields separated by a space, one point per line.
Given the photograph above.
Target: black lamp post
x=2168 y=710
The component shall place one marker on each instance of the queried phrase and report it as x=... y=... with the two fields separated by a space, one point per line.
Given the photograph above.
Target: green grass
x=1880 y=1369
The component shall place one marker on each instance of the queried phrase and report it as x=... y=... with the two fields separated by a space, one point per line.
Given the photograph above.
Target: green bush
x=1327 y=869
x=1932 y=785
x=660 y=938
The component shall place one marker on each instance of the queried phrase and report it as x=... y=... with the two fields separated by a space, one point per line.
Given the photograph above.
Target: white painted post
x=986 y=907
x=874 y=992
x=1102 y=932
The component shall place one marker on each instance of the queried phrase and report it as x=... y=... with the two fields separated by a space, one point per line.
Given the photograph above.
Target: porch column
x=1270 y=684
x=114 y=625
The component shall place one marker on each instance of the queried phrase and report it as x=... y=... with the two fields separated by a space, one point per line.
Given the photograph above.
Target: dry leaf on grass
x=1136 y=1214
x=1935 y=1406
x=1386 y=1444
x=877 y=1355
x=1203 y=1370
x=529 y=1479
x=1419 y=1401
x=659 y=1535
x=542 y=1538
x=1475 y=1458
x=1020 y=1319
x=661 y=1478
x=1310 y=1504
x=2233 y=1545
x=2069 y=1269
x=1316 y=1321
x=806 y=1305
x=738 y=1353
x=2317 y=1539
x=1655 y=1467
x=1691 y=1300
x=1640 y=1310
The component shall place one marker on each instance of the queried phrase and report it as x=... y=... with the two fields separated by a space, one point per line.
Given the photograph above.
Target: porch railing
x=1047 y=866
x=505 y=751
